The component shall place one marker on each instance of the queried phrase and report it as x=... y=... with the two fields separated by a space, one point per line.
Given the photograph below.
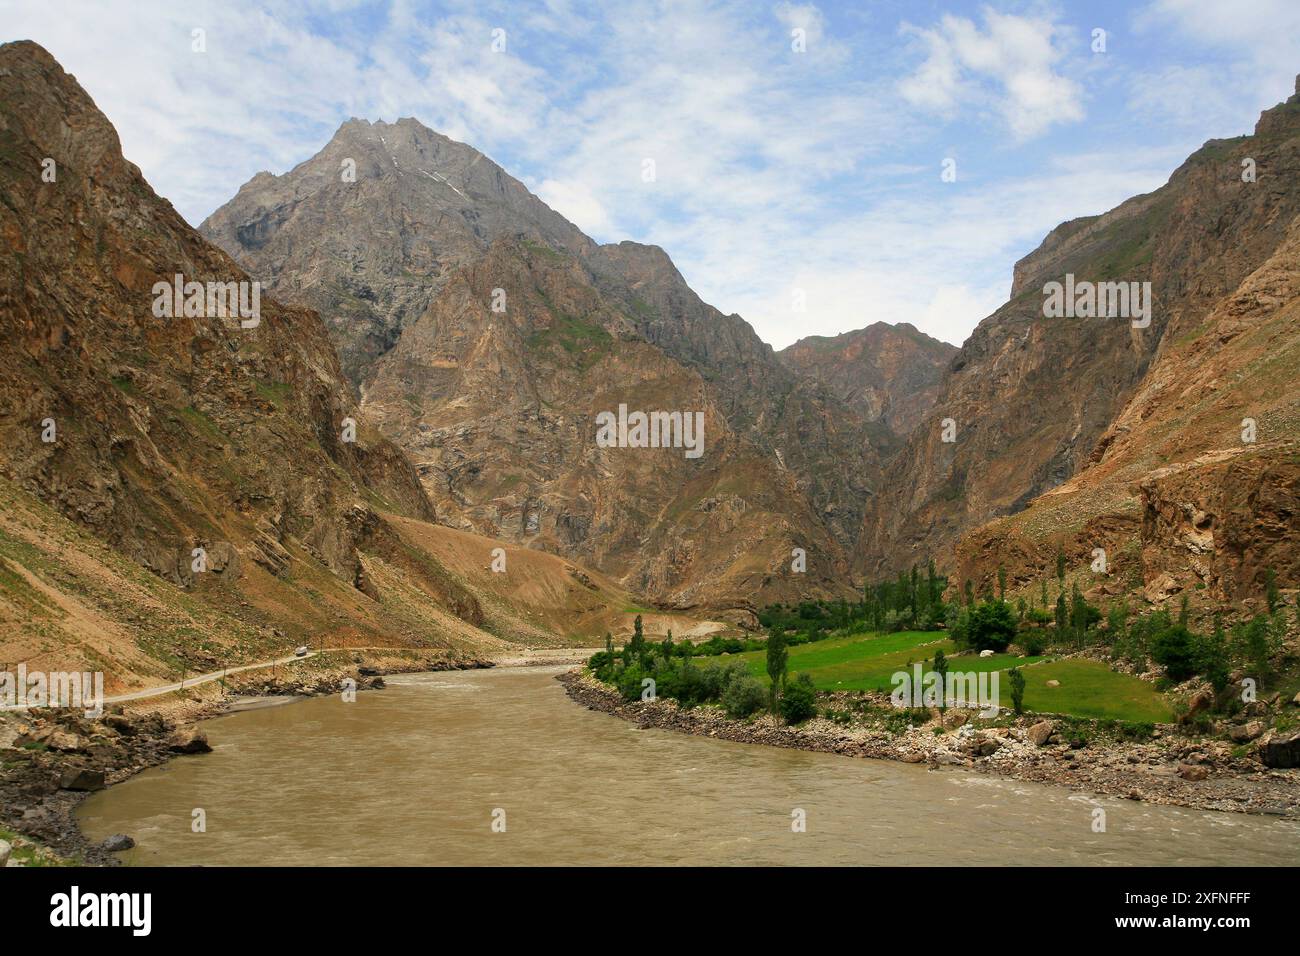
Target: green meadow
x=868 y=661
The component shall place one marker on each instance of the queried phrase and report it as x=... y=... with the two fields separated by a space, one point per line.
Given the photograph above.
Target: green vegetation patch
x=587 y=341
x=1092 y=689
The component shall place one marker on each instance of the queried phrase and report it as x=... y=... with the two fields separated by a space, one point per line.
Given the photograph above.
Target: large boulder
x=1040 y=732
x=189 y=740
x=64 y=741
x=79 y=778
x=5 y=850
x=123 y=724
x=1193 y=771
x=1200 y=701
x=1245 y=733
x=117 y=842
x=1281 y=750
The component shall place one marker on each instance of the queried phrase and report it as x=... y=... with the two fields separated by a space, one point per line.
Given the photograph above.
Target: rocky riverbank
x=50 y=760
x=1168 y=769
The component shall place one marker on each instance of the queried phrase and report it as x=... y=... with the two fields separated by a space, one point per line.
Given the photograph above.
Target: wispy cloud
x=1011 y=67
x=775 y=165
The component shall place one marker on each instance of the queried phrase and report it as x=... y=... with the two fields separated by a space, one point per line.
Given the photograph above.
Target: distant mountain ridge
x=497 y=409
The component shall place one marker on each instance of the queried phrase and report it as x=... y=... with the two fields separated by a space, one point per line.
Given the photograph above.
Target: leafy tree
x=912 y=595
x=629 y=682
x=777 y=660
x=1174 y=647
x=1212 y=658
x=1017 y=681
x=991 y=626
x=970 y=594
x=799 y=700
x=1117 y=620
x=1062 y=616
x=1270 y=590
x=1060 y=570
x=666 y=645
x=1255 y=643
x=1082 y=615
x=635 y=649
x=940 y=667
x=1043 y=596
x=1002 y=583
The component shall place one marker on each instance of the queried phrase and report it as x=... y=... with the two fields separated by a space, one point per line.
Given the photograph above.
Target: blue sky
x=780 y=175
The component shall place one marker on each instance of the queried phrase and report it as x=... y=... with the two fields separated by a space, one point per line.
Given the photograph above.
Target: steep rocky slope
x=498 y=407
x=182 y=491
x=1195 y=488
x=368 y=230
x=1033 y=399
x=885 y=373
x=498 y=411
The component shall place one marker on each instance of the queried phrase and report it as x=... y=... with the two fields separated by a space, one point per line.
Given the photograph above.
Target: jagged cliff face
x=1178 y=492
x=885 y=373
x=499 y=411
x=154 y=414
x=498 y=408
x=1033 y=399
x=132 y=438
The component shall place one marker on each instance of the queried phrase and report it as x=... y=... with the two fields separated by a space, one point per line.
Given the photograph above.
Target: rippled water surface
x=414 y=774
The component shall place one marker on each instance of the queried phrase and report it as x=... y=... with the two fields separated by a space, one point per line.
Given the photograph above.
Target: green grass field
x=1092 y=689
x=868 y=661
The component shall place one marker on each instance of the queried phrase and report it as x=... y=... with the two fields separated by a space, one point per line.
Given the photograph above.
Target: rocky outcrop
x=1281 y=750
x=885 y=373
x=1171 y=448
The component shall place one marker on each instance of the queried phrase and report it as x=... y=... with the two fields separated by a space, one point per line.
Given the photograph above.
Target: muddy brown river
x=500 y=767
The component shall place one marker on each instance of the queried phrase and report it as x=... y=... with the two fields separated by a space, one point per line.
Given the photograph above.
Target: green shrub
x=1174 y=647
x=990 y=626
x=629 y=682
x=799 y=701
x=743 y=695
x=1017 y=682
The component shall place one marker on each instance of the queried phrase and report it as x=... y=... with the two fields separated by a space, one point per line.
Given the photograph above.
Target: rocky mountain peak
x=885 y=373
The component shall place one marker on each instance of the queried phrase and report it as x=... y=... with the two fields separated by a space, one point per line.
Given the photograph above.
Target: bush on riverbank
x=799 y=700
x=730 y=684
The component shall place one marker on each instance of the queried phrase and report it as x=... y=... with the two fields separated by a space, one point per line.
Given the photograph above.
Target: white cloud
x=774 y=169
x=1261 y=41
x=1010 y=66
x=576 y=202
x=941 y=265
